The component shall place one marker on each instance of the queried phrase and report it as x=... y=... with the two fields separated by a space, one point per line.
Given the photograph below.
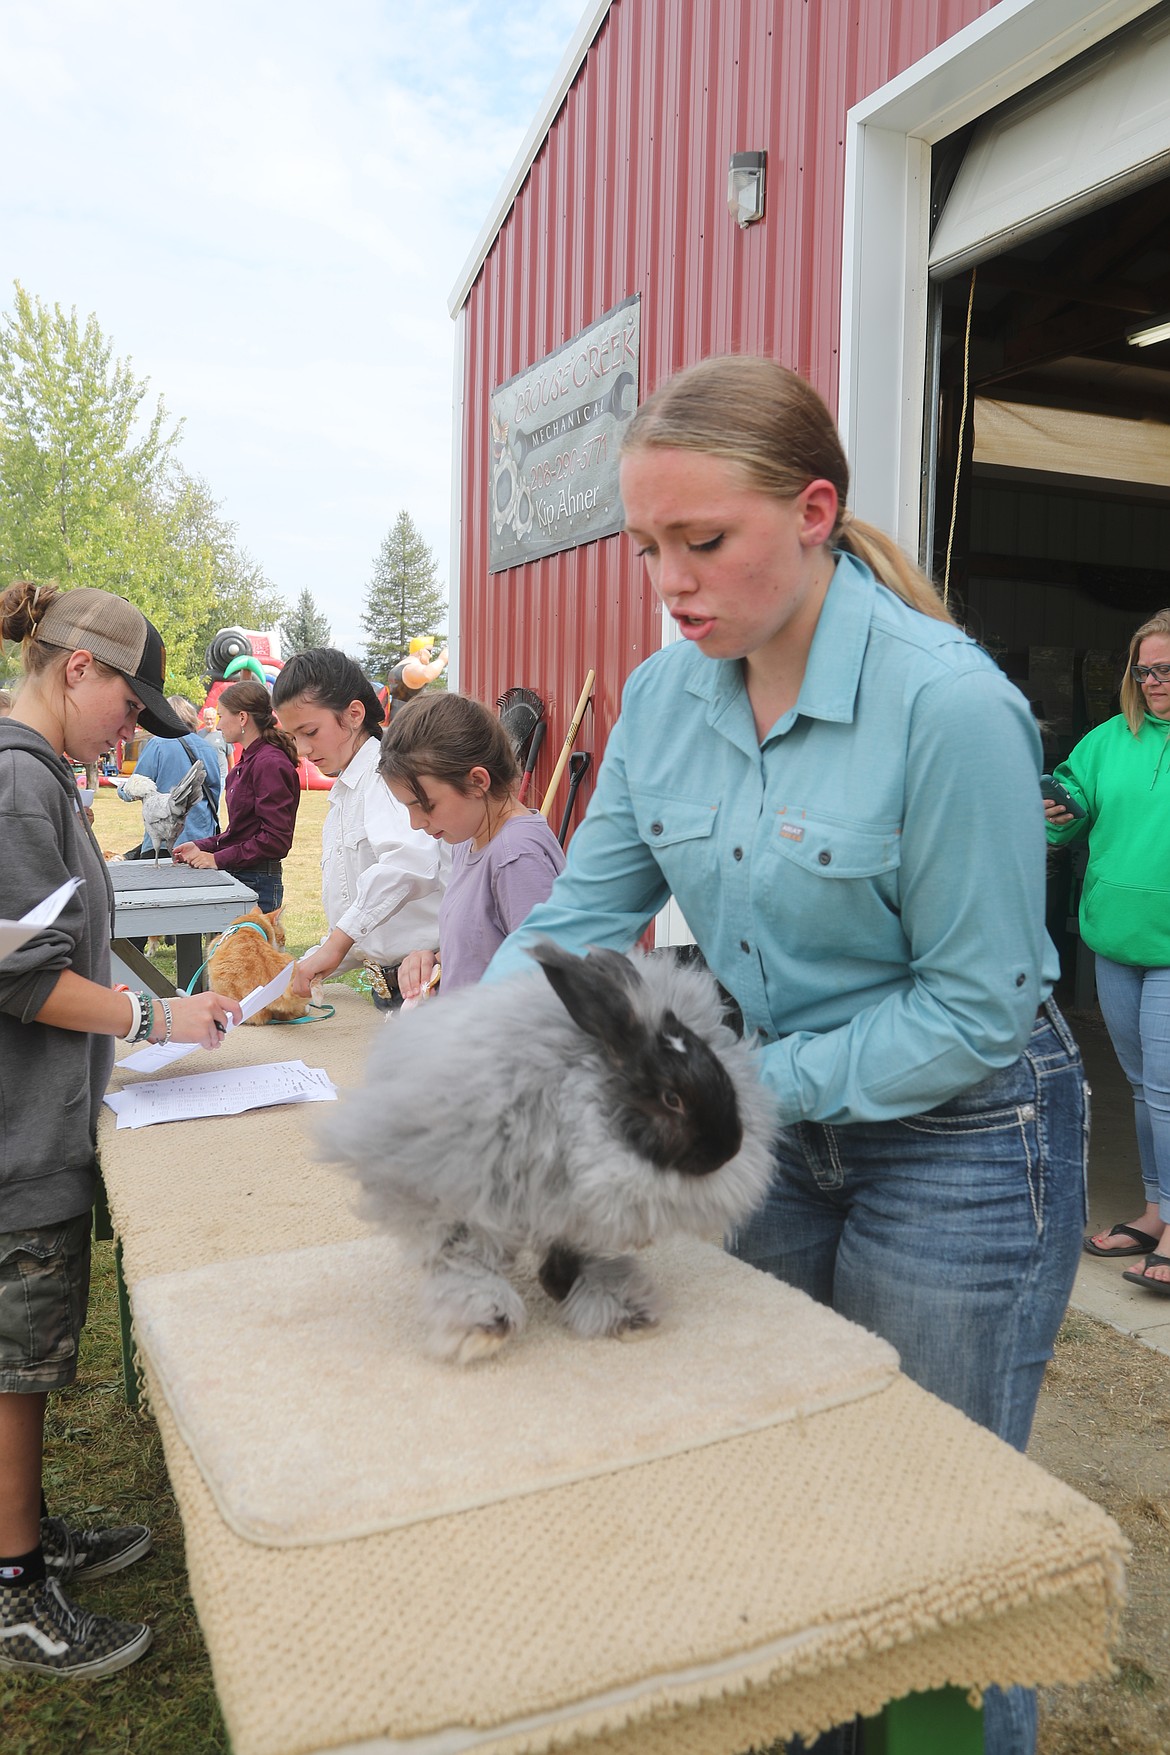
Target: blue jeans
x=955 y=1234
x=269 y=888
x=1135 y=1004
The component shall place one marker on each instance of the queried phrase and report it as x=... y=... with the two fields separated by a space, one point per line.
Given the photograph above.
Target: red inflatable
x=312 y=779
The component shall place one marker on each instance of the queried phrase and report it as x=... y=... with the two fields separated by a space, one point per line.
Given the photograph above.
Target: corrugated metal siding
x=628 y=194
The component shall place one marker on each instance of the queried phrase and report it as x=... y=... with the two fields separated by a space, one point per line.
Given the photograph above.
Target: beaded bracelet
x=166 y=1009
x=141 y=1017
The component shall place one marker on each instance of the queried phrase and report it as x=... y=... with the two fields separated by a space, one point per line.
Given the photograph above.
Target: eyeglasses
x=1143 y=672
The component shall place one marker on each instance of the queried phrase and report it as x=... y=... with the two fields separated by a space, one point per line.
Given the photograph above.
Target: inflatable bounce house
x=236 y=652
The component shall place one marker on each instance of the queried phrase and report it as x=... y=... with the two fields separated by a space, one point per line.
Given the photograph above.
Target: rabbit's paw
x=611 y=1297
x=471 y=1316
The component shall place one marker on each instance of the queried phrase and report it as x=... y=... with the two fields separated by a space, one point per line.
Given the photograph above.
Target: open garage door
x=1080 y=139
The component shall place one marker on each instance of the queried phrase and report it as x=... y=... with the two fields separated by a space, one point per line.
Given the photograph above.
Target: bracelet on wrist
x=166 y=1011
x=141 y=1017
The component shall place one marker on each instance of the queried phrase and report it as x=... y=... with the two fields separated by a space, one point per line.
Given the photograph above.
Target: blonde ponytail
x=890 y=566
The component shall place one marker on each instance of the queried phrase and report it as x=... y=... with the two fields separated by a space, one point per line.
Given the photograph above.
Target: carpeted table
x=746 y=1526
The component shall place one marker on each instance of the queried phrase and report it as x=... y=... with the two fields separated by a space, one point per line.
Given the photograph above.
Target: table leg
x=188 y=958
x=103 y=1231
x=143 y=971
x=925 y=1724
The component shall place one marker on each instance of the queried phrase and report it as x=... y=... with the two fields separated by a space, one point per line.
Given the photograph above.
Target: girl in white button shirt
x=381 y=880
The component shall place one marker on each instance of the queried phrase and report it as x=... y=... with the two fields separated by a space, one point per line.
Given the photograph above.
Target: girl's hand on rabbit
x=414 y=972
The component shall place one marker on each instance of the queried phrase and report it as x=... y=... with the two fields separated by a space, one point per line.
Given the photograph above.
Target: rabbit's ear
x=595 y=989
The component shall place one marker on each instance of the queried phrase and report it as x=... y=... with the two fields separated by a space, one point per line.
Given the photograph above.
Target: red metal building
x=621 y=190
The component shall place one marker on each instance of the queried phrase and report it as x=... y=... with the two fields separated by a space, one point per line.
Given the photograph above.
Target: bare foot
x=1149 y=1224
x=1158 y=1270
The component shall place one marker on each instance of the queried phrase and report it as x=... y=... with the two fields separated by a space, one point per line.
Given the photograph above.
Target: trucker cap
x=84 y=620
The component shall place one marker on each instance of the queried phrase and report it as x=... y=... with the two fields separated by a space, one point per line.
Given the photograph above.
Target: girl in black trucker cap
x=93 y=670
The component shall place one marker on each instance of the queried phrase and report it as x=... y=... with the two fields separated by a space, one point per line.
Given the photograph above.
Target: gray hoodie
x=51 y=1081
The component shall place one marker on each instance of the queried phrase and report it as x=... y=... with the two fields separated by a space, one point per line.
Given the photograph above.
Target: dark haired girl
x=449 y=761
x=381 y=881
x=263 y=794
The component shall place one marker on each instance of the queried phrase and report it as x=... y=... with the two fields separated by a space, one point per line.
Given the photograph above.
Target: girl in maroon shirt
x=263 y=793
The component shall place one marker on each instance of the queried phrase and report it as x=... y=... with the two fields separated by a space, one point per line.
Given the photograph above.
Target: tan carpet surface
x=303 y=1389
x=797 y=1575
x=775 y=1582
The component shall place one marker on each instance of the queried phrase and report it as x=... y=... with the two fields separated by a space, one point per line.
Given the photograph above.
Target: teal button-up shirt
x=868 y=881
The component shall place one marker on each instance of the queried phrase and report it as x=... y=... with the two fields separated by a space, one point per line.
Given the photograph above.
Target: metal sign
x=556 y=431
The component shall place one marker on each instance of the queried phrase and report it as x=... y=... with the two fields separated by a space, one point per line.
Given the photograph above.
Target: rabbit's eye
x=673 y=1101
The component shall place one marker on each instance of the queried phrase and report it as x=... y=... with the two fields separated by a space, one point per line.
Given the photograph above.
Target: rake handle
x=566 y=747
x=533 y=751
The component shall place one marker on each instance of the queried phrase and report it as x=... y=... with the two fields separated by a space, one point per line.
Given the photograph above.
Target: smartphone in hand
x=1054 y=793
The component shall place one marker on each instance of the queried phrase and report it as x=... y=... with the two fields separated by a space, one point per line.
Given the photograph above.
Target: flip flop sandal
x=1162 y=1286
x=1141 y=1245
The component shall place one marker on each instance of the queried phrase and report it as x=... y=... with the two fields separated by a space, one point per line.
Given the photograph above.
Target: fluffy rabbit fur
x=579 y=1115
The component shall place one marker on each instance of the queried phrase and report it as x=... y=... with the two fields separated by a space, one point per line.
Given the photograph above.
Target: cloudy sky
x=266 y=204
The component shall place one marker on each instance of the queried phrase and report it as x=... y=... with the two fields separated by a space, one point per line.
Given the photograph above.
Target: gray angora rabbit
x=579 y=1117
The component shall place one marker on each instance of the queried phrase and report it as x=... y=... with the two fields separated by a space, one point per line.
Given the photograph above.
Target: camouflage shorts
x=44 y=1293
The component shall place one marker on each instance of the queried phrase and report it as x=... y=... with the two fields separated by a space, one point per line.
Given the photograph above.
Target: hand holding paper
x=14 y=933
x=157 y=1054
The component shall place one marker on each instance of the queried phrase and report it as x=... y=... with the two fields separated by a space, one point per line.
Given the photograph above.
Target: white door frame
x=882 y=396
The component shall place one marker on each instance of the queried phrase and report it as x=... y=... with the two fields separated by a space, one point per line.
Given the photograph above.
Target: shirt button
x=1020 y=980
x=825 y=857
x=656 y=828
x=744 y=945
x=737 y=853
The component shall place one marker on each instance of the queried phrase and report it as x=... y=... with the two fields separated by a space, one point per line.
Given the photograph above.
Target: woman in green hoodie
x=1120 y=773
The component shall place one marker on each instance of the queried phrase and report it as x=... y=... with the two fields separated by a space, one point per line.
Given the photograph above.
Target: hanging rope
x=946 y=591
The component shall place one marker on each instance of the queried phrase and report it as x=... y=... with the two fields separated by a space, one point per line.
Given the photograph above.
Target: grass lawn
x=104 y=1464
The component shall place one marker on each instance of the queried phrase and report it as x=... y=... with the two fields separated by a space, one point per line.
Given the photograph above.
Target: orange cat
x=242 y=960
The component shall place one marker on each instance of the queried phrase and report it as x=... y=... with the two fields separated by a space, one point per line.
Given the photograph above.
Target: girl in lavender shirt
x=450 y=762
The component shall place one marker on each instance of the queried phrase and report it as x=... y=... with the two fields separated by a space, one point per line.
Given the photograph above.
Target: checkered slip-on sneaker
x=45 y=1634
x=72 y=1553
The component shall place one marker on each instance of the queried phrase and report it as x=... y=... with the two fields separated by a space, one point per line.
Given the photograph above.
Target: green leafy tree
x=403 y=598
x=75 y=462
x=92 y=491
x=304 y=627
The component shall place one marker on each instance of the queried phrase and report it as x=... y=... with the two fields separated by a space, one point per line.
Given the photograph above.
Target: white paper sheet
x=14 y=933
x=157 y=1054
x=221 y=1093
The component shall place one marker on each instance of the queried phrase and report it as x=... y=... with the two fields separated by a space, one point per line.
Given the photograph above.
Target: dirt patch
x=1103 y=1425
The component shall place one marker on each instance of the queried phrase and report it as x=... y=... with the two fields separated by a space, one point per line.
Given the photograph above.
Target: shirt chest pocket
x=838 y=884
x=666 y=823
x=827 y=848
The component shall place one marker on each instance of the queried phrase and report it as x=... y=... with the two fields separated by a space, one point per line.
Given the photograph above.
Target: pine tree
x=304 y=627
x=403 y=598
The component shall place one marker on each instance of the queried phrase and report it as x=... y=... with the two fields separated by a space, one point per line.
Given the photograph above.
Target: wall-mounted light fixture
x=745 y=187
x=1147 y=337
